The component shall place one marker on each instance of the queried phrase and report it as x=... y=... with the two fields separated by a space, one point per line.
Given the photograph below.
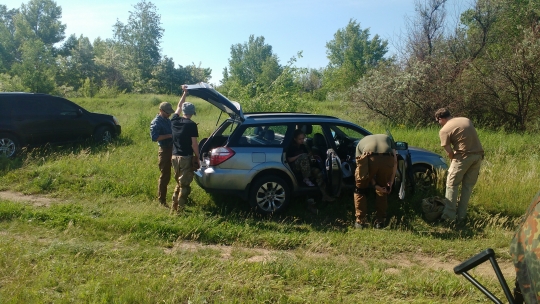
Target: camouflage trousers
x=183 y=174
x=303 y=164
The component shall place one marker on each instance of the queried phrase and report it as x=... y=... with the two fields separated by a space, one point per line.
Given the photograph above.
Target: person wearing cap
x=185 y=151
x=461 y=143
x=160 y=131
x=376 y=166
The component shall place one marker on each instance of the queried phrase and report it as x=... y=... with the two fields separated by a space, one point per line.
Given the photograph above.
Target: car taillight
x=219 y=155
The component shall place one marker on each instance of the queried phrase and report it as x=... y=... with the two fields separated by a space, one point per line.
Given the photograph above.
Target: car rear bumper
x=222 y=182
x=216 y=179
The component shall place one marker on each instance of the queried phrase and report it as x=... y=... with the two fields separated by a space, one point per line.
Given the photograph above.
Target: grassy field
x=82 y=225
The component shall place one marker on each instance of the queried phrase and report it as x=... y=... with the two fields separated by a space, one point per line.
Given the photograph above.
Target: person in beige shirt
x=462 y=145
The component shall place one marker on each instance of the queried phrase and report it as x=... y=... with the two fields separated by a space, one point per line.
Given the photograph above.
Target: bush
x=11 y=84
x=109 y=92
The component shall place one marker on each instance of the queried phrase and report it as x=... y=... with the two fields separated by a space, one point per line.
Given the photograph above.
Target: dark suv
x=246 y=154
x=36 y=119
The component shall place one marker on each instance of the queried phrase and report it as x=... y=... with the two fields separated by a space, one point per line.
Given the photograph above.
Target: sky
x=203 y=31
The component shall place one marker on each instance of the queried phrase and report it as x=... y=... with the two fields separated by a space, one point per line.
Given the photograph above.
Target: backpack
x=433 y=207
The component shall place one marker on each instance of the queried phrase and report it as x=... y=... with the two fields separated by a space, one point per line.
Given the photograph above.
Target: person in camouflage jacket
x=525 y=251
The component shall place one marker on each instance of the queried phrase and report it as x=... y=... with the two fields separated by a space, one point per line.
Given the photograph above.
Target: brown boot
x=174 y=207
x=379 y=223
x=164 y=204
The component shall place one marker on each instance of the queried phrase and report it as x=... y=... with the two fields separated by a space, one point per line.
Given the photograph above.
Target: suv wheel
x=8 y=145
x=269 y=194
x=103 y=135
x=424 y=179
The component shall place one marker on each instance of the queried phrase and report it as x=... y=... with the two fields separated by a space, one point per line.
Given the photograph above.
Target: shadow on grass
x=7 y=164
x=329 y=216
x=339 y=215
x=53 y=151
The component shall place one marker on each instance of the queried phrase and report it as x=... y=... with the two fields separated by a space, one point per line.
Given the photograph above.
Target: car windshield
x=341 y=132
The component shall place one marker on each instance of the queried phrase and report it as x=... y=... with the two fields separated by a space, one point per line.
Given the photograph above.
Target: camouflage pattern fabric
x=303 y=165
x=525 y=251
x=433 y=207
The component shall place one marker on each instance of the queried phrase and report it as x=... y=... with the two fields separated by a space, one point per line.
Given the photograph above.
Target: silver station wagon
x=246 y=154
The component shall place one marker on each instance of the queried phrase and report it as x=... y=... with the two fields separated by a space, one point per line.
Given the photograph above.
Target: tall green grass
x=106 y=239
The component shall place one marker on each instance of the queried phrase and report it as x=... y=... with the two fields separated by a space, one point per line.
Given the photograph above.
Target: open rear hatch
x=208 y=93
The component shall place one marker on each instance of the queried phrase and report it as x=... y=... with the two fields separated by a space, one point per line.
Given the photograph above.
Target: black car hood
x=208 y=93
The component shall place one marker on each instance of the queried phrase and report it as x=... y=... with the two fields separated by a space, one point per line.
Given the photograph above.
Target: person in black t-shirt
x=185 y=151
x=299 y=159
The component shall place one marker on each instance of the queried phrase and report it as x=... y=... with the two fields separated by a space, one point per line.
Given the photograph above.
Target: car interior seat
x=307 y=129
x=319 y=145
x=269 y=135
x=259 y=131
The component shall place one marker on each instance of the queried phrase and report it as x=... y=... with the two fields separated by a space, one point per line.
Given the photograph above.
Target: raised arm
x=182 y=100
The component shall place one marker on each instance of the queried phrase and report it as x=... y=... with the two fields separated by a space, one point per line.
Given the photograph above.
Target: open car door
x=405 y=173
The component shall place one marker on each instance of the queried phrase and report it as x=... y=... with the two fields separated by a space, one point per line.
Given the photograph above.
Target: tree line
x=485 y=66
x=131 y=61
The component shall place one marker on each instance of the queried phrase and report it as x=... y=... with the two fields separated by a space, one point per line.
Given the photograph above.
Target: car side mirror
x=401 y=145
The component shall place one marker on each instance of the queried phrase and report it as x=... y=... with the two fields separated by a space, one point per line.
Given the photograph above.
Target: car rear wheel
x=103 y=135
x=269 y=194
x=9 y=145
x=424 y=179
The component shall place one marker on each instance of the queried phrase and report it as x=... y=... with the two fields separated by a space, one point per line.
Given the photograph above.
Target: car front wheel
x=8 y=145
x=103 y=135
x=424 y=179
x=269 y=194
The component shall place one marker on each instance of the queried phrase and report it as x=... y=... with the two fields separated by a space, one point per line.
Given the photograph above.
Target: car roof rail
x=287 y=114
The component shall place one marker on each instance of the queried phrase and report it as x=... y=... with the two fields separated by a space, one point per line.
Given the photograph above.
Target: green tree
x=252 y=64
x=37 y=68
x=194 y=74
x=503 y=84
x=8 y=47
x=165 y=77
x=139 y=41
x=43 y=20
x=109 y=64
x=351 y=54
x=77 y=64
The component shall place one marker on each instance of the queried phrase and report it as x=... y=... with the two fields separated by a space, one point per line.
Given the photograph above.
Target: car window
x=227 y=128
x=346 y=137
x=57 y=106
x=263 y=135
x=29 y=107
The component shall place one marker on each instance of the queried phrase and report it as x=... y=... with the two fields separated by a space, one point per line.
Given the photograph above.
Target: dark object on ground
x=433 y=207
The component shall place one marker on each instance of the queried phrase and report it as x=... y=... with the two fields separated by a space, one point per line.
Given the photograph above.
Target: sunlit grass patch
x=104 y=238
